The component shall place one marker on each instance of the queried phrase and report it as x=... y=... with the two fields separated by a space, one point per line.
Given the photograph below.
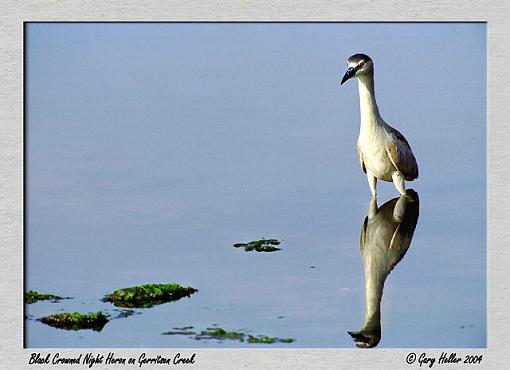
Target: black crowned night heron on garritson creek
x=383 y=152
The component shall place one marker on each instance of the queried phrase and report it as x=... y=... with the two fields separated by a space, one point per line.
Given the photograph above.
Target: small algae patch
x=222 y=334
x=148 y=295
x=268 y=340
x=179 y=332
x=262 y=339
x=216 y=333
x=266 y=248
x=185 y=330
x=286 y=340
x=33 y=296
x=76 y=321
x=176 y=332
x=262 y=245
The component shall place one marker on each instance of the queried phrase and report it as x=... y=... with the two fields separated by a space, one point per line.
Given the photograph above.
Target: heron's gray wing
x=361 y=161
x=401 y=155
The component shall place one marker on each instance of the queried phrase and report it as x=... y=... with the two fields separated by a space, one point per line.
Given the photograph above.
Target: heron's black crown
x=356 y=58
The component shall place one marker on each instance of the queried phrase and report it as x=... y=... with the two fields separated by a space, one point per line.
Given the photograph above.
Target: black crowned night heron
x=385 y=237
x=383 y=152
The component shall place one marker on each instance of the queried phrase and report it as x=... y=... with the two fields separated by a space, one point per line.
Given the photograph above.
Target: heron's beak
x=349 y=74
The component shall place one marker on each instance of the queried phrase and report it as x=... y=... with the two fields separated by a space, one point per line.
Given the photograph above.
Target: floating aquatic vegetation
x=286 y=340
x=33 y=296
x=222 y=334
x=185 y=330
x=262 y=245
x=267 y=340
x=148 y=295
x=177 y=332
x=76 y=321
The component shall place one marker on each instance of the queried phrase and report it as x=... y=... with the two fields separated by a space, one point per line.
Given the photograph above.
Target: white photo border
x=13 y=18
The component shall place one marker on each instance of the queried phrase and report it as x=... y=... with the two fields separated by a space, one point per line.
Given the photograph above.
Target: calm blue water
x=152 y=148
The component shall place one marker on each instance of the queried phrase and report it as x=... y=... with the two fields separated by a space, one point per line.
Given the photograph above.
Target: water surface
x=153 y=148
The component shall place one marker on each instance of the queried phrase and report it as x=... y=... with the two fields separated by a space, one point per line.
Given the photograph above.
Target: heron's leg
x=398 y=180
x=372 y=210
x=372 y=182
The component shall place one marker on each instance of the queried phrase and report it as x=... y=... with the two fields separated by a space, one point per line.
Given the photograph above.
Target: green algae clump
x=285 y=340
x=220 y=334
x=76 y=321
x=262 y=245
x=148 y=295
x=32 y=296
x=268 y=340
x=262 y=339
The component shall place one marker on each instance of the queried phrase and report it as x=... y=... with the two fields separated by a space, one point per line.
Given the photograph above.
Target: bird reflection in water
x=385 y=238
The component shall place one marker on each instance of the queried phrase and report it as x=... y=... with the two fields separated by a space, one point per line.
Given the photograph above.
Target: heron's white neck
x=370 y=117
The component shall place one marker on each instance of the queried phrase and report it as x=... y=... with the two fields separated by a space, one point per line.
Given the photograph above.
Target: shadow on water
x=386 y=235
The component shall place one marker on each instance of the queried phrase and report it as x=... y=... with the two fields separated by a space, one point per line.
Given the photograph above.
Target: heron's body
x=383 y=152
x=372 y=153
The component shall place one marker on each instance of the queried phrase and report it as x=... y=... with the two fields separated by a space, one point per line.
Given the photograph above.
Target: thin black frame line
x=24 y=205
x=254 y=22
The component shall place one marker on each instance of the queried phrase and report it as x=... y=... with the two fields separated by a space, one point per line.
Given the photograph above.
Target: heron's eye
x=361 y=64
